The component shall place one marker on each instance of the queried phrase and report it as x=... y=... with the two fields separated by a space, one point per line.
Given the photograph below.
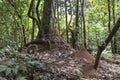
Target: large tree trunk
x=103 y=46
x=46 y=18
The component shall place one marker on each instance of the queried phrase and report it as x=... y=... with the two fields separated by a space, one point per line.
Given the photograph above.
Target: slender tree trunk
x=107 y=40
x=109 y=17
x=58 y=16
x=23 y=27
x=53 y=10
x=81 y=32
x=33 y=23
x=66 y=20
x=24 y=37
x=77 y=25
x=81 y=27
x=40 y=30
x=84 y=27
x=113 y=13
x=77 y=5
x=109 y=24
x=23 y=32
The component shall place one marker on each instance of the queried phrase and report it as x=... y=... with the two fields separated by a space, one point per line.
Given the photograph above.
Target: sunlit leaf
x=21 y=78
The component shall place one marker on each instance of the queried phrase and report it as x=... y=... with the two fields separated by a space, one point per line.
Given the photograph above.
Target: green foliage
x=14 y=20
x=108 y=55
x=19 y=66
x=21 y=77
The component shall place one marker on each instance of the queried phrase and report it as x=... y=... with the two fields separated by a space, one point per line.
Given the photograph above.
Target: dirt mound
x=55 y=50
x=83 y=53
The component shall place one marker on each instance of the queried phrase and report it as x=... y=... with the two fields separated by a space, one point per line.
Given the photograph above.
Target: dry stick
x=108 y=39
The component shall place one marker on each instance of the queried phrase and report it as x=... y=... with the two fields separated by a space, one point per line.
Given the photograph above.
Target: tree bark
x=108 y=39
x=76 y=31
x=83 y=20
x=109 y=25
x=77 y=5
x=46 y=18
x=58 y=16
x=33 y=24
x=113 y=13
x=66 y=20
x=38 y=20
x=53 y=11
x=29 y=13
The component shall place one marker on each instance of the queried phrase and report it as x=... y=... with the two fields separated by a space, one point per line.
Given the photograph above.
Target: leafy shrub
x=19 y=66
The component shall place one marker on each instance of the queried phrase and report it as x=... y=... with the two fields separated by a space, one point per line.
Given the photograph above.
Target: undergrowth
x=24 y=66
x=20 y=66
x=109 y=55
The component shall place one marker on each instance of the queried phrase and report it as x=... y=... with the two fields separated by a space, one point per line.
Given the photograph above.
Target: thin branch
x=66 y=19
x=30 y=10
x=37 y=12
x=14 y=6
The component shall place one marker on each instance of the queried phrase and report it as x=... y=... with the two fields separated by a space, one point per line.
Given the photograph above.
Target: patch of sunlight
x=108 y=55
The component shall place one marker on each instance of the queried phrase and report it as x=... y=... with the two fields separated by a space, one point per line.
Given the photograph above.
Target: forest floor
x=67 y=63
x=109 y=69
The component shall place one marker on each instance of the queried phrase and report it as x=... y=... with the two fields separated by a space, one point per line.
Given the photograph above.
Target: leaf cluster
x=20 y=66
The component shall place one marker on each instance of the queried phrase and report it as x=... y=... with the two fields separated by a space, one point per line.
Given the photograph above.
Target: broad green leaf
x=10 y=62
x=23 y=68
x=8 y=71
x=3 y=68
x=15 y=70
x=21 y=78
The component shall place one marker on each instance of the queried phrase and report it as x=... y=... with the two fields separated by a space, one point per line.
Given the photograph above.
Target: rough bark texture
x=46 y=16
